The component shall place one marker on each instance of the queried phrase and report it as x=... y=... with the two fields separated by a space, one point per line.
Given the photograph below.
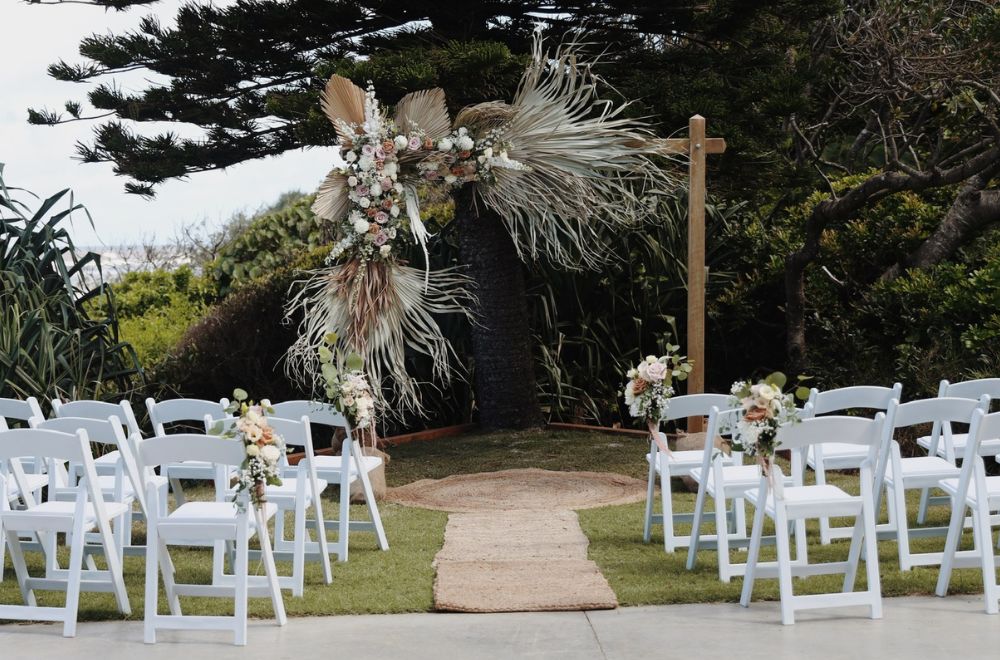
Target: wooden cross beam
x=697 y=147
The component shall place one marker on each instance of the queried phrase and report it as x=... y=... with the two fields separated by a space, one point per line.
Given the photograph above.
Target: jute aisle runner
x=516 y=546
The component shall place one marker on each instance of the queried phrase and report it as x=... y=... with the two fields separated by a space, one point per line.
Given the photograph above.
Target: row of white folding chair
x=85 y=513
x=300 y=490
x=352 y=465
x=842 y=455
x=980 y=495
x=211 y=523
x=665 y=464
x=786 y=504
x=949 y=445
x=724 y=478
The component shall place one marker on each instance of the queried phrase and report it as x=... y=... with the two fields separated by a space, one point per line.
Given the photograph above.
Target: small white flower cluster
x=649 y=388
x=765 y=408
x=461 y=159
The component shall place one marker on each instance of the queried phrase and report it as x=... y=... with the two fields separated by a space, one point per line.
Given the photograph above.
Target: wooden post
x=697 y=147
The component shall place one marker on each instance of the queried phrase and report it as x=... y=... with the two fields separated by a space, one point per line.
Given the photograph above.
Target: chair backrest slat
x=832 y=428
x=972 y=389
x=861 y=397
x=160 y=450
x=102 y=431
x=317 y=412
x=20 y=409
x=44 y=443
x=695 y=405
x=98 y=410
x=928 y=411
x=172 y=411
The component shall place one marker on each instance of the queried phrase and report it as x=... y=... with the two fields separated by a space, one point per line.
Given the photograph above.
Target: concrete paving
x=913 y=628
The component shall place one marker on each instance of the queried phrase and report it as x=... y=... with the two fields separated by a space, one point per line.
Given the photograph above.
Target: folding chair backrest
x=102 y=431
x=165 y=449
x=98 y=410
x=317 y=412
x=695 y=405
x=173 y=411
x=20 y=410
x=798 y=437
x=971 y=389
x=928 y=411
x=861 y=397
x=720 y=422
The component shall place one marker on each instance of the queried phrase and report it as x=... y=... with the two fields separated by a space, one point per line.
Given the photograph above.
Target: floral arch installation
x=557 y=134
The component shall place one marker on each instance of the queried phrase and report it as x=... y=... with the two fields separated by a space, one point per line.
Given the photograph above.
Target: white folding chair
x=664 y=464
x=88 y=512
x=207 y=522
x=950 y=446
x=842 y=455
x=300 y=490
x=352 y=465
x=20 y=411
x=727 y=479
x=788 y=503
x=106 y=464
x=920 y=472
x=25 y=480
x=980 y=494
x=121 y=487
x=191 y=412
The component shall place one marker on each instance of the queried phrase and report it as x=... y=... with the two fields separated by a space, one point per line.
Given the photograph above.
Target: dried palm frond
x=331 y=198
x=583 y=167
x=343 y=103
x=425 y=110
x=483 y=117
x=378 y=310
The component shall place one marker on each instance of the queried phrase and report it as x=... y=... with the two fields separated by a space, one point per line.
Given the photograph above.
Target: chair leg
x=951 y=545
x=373 y=514
x=699 y=507
x=241 y=579
x=754 y=552
x=925 y=496
x=981 y=523
x=344 y=524
x=902 y=526
x=859 y=543
x=152 y=581
x=73 y=581
x=20 y=567
x=871 y=550
x=299 y=551
x=722 y=533
x=324 y=550
x=669 y=540
x=784 y=565
x=825 y=536
x=270 y=571
x=740 y=516
x=647 y=525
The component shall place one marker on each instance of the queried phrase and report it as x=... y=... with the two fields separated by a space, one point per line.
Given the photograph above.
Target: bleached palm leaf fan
x=556 y=164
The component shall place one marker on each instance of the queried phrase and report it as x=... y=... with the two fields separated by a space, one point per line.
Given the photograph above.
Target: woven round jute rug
x=530 y=489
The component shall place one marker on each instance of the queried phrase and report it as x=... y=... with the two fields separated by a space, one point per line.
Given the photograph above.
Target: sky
x=41 y=158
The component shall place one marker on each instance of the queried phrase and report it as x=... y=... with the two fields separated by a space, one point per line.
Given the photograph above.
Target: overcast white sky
x=40 y=158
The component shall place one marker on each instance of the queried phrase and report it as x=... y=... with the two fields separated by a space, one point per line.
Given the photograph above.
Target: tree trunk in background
x=505 y=388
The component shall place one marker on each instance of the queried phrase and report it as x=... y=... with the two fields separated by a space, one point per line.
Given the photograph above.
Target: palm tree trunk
x=505 y=388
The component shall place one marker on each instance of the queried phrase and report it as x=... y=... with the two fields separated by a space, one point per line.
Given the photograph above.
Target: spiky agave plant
x=556 y=164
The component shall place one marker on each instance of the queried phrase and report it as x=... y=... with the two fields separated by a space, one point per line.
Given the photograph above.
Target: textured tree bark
x=505 y=388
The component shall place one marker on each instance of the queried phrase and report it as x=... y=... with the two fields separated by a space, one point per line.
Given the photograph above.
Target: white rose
x=253 y=450
x=766 y=392
x=350 y=156
x=488 y=152
x=376 y=189
x=465 y=143
x=398 y=187
x=352 y=181
x=650 y=359
x=364 y=202
x=366 y=162
x=270 y=453
x=385 y=250
x=392 y=232
x=463 y=130
x=390 y=170
x=445 y=145
x=253 y=433
x=394 y=211
x=361 y=226
x=631 y=373
x=400 y=142
x=450 y=178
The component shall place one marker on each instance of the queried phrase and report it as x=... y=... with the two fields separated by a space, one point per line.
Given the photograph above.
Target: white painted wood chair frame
x=105 y=464
x=87 y=512
x=21 y=410
x=950 y=446
x=663 y=466
x=729 y=479
x=192 y=411
x=207 y=522
x=300 y=490
x=898 y=474
x=332 y=469
x=980 y=494
x=786 y=504
x=843 y=456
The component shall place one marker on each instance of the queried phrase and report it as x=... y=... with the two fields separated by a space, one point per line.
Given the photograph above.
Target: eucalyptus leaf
x=777 y=379
x=355 y=362
x=240 y=394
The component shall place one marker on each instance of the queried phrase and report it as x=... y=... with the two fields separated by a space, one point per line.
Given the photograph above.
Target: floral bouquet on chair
x=765 y=408
x=264 y=448
x=649 y=388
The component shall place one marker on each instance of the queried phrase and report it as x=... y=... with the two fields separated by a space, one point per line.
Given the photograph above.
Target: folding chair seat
x=88 y=512
x=208 y=522
x=947 y=444
x=841 y=455
x=786 y=504
x=920 y=472
x=191 y=412
x=300 y=490
x=979 y=494
x=726 y=478
x=665 y=464
x=332 y=469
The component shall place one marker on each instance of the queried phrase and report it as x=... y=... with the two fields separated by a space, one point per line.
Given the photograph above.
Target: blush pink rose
x=656 y=371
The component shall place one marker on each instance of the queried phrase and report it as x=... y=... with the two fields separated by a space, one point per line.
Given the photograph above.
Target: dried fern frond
x=343 y=103
x=584 y=170
x=378 y=310
x=331 y=198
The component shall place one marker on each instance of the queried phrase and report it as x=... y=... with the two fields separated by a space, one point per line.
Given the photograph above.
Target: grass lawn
x=401 y=579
